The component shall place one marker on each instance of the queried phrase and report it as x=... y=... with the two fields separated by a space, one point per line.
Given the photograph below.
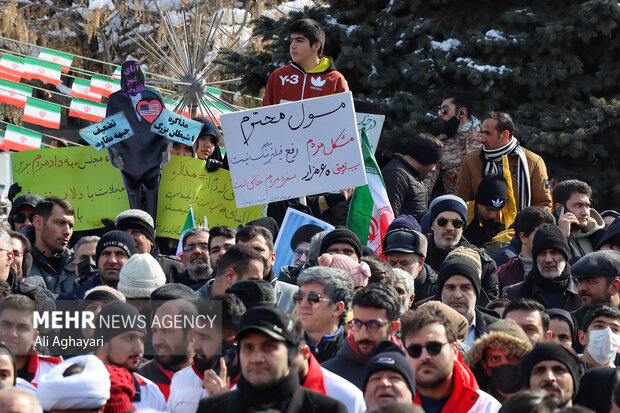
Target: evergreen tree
x=552 y=65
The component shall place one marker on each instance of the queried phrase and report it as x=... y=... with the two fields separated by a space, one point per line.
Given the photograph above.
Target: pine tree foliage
x=553 y=65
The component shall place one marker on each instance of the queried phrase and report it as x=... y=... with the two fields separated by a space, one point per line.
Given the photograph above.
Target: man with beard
x=376 y=309
x=215 y=363
x=50 y=233
x=220 y=240
x=112 y=252
x=459 y=134
x=494 y=358
x=549 y=282
x=123 y=346
x=528 y=170
x=443 y=382
x=583 y=226
x=484 y=214
x=171 y=342
x=195 y=258
x=403 y=175
x=448 y=218
x=552 y=368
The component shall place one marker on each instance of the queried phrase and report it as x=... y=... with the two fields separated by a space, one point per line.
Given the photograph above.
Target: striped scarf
x=493 y=166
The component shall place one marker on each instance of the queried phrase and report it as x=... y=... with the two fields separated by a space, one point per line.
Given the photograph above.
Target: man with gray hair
x=405 y=287
x=84 y=253
x=14 y=399
x=323 y=302
x=196 y=258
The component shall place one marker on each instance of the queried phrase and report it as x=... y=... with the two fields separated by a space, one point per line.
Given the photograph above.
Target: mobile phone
x=228 y=352
x=558 y=211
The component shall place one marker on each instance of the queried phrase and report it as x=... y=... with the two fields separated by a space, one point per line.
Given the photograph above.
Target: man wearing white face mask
x=549 y=281
x=600 y=336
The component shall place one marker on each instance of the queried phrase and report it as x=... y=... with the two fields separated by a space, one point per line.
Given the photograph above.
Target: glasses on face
x=456 y=223
x=313 y=298
x=299 y=252
x=21 y=218
x=432 y=347
x=371 y=325
x=444 y=109
x=192 y=247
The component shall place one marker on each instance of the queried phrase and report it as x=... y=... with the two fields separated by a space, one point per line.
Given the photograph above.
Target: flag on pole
x=190 y=223
x=42 y=113
x=20 y=139
x=11 y=67
x=54 y=56
x=81 y=89
x=86 y=109
x=370 y=212
x=104 y=85
x=45 y=71
x=14 y=93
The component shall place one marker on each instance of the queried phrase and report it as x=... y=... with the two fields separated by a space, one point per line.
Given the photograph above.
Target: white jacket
x=186 y=391
x=150 y=395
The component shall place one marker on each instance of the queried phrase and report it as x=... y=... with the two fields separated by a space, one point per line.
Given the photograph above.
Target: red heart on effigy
x=149 y=110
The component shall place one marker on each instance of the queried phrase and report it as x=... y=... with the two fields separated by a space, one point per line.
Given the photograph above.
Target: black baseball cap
x=276 y=324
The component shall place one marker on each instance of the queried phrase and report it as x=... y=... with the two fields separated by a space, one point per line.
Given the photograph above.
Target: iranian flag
x=104 y=85
x=86 y=109
x=117 y=73
x=11 y=67
x=42 y=113
x=190 y=223
x=45 y=71
x=81 y=89
x=20 y=139
x=54 y=56
x=370 y=212
x=14 y=93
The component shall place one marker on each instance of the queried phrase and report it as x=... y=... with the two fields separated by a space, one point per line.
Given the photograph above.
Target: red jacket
x=292 y=83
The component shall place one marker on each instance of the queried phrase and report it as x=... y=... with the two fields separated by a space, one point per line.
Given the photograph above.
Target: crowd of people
x=500 y=294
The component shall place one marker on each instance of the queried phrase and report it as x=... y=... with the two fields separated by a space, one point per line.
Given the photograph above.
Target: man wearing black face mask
x=495 y=356
x=84 y=263
x=460 y=134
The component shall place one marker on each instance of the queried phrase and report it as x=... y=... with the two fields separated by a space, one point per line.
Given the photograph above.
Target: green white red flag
x=81 y=89
x=11 y=67
x=44 y=71
x=86 y=109
x=20 y=139
x=14 y=94
x=42 y=113
x=104 y=85
x=54 y=56
x=190 y=223
x=370 y=212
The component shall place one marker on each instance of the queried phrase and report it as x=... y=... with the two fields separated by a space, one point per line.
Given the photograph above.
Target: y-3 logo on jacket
x=292 y=79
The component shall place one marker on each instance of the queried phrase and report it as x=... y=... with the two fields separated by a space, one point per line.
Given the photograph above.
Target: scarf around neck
x=493 y=166
x=279 y=391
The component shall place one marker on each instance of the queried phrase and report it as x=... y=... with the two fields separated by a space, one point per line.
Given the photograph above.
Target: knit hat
x=425 y=150
x=551 y=351
x=341 y=235
x=254 y=293
x=136 y=219
x=492 y=191
x=140 y=276
x=405 y=240
x=448 y=203
x=122 y=389
x=86 y=389
x=550 y=236
x=470 y=254
x=388 y=356
x=597 y=264
x=457 y=319
x=360 y=271
x=304 y=234
x=173 y=291
x=115 y=238
x=405 y=221
x=459 y=265
x=107 y=329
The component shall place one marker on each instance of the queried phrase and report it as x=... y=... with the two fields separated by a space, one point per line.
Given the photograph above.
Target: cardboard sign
x=184 y=182
x=294 y=237
x=373 y=125
x=293 y=149
x=176 y=127
x=81 y=175
x=109 y=131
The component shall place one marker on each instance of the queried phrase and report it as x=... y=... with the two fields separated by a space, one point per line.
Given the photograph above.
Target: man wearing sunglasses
x=196 y=258
x=443 y=382
x=376 y=309
x=404 y=174
x=22 y=211
x=323 y=302
x=460 y=135
x=448 y=217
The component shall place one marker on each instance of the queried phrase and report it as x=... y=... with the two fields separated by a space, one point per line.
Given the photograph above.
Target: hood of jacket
x=595 y=223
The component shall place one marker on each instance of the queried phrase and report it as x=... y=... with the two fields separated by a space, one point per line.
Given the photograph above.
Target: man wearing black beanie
x=552 y=368
x=550 y=281
x=404 y=174
x=485 y=218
